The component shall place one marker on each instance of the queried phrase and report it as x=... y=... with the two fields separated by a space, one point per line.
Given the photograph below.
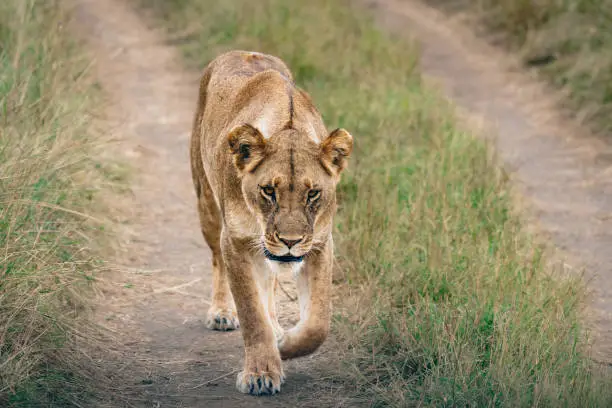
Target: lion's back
x=230 y=72
x=236 y=78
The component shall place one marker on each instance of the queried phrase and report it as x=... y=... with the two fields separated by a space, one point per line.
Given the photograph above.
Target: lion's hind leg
x=222 y=312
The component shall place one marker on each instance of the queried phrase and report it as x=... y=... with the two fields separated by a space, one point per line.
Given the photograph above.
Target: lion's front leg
x=314 y=292
x=262 y=373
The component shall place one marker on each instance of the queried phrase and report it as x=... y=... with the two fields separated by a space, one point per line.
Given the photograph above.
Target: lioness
x=265 y=172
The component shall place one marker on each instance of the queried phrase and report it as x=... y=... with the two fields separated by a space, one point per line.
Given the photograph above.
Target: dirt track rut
x=156 y=300
x=563 y=172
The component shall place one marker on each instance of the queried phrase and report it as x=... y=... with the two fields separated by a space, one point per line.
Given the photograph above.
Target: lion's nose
x=290 y=241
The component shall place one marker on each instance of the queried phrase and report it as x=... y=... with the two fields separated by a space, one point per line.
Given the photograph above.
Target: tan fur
x=265 y=172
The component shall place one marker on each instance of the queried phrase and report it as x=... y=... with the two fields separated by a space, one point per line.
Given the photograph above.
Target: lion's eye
x=313 y=194
x=268 y=190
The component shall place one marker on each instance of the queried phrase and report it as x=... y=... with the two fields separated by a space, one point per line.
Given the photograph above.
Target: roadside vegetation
x=48 y=185
x=568 y=41
x=452 y=303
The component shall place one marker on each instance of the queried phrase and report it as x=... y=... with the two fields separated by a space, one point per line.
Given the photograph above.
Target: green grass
x=48 y=184
x=573 y=36
x=452 y=303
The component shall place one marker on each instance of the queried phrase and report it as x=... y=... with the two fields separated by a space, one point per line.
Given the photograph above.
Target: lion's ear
x=335 y=151
x=248 y=147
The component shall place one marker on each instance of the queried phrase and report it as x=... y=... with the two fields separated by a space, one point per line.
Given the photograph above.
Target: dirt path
x=562 y=170
x=157 y=299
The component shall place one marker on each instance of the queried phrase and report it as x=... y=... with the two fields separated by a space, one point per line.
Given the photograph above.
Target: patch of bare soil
x=562 y=171
x=155 y=301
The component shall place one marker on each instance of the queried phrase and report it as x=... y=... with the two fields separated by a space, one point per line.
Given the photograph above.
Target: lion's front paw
x=223 y=319
x=262 y=375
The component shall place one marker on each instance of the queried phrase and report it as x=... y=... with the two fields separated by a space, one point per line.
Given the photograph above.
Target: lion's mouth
x=282 y=258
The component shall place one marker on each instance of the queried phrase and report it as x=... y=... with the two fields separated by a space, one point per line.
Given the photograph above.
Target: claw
x=222 y=319
x=256 y=384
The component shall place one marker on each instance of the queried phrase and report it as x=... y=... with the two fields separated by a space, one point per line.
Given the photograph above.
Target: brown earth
x=562 y=171
x=155 y=300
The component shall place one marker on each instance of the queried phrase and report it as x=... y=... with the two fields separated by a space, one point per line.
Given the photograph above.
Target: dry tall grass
x=452 y=303
x=47 y=185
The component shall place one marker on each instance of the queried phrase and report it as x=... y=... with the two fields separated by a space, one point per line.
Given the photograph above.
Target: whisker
x=256 y=247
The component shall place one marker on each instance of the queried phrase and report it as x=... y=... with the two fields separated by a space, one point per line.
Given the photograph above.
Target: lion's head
x=289 y=184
